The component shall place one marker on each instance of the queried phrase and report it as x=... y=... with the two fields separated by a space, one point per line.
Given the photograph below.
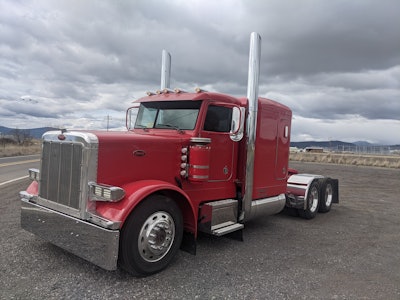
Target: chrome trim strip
x=71 y=136
x=88 y=241
x=199 y=176
x=200 y=140
x=199 y=167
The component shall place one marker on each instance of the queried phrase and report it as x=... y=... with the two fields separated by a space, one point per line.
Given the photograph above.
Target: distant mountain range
x=324 y=144
x=33 y=132
x=38 y=132
x=340 y=145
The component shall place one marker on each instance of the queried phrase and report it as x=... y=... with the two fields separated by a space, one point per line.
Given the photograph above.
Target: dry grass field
x=8 y=149
x=385 y=161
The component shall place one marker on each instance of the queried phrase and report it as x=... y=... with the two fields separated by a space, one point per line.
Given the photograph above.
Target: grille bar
x=61 y=173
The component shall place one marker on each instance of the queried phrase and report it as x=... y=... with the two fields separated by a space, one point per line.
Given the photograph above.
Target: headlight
x=99 y=192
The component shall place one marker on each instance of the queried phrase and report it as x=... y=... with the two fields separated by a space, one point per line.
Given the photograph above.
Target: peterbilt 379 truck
x=189 y=162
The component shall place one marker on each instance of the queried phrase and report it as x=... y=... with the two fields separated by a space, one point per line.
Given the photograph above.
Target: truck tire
x=312 y=202
x=151 y=236
x=326 y=195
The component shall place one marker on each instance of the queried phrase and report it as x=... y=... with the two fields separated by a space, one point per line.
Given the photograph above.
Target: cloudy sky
x=77 y=63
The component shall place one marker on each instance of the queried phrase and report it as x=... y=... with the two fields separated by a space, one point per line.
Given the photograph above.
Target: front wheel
x=312 y=202
x=151 y=236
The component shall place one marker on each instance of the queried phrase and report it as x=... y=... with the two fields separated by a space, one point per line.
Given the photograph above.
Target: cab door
x=223 y=152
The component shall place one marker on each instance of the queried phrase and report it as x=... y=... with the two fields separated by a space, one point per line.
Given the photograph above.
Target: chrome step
x=225 y=228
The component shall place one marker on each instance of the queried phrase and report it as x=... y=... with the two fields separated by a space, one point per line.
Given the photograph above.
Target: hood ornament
x=61 y=136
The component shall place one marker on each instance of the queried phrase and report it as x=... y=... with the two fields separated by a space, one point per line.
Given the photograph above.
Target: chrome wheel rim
x=313 y=199
x=328 y=195
x=156 y=236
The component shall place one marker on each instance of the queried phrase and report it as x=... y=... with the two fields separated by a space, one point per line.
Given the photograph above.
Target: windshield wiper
x=181 y=131
x=167 y=126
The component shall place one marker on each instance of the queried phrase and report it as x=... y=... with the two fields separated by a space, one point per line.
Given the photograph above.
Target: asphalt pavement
x=352 y=252
x=16 y=168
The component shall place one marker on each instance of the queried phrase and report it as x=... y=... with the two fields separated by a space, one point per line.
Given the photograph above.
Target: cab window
x=218 y=119
x=180 y=115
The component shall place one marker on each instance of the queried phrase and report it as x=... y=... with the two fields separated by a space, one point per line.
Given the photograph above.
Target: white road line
x=13 y=180
x=21 y=156
x=19 y=163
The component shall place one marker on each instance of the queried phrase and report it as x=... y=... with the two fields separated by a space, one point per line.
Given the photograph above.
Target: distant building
x=314 y=149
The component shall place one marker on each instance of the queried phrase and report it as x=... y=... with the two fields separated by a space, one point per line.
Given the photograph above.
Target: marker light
x=177 y=91
x=150 y=93
x=184 y=164
x=199 y=90
x=34 y=174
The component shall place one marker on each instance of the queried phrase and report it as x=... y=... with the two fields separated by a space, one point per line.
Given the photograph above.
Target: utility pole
x=108 y=121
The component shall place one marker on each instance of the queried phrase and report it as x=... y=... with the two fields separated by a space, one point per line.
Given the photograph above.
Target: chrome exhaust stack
x=251 y=124
x=165 y=70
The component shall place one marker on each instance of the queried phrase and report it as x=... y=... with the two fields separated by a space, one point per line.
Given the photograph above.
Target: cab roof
x=203 y=95
x=182 y=96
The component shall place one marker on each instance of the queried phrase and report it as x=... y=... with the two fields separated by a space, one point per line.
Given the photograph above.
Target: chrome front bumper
x=88 y=241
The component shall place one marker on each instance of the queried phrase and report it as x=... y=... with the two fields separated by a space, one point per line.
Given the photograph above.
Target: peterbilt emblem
x=139 y=153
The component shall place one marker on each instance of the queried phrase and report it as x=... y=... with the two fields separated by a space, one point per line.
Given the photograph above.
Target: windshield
x=168 y=114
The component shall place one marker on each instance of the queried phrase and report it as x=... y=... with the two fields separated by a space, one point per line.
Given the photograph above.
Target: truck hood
x=125 y=157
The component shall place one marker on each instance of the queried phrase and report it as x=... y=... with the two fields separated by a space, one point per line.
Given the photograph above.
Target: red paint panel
x=199 y=162
x=271 y=149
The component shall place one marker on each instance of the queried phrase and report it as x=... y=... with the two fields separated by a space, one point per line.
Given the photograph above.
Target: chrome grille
x=61 y=172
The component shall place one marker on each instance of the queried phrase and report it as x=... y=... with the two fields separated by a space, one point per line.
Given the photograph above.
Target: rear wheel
x=312 y=202
x=326 y=195
x=151 y=236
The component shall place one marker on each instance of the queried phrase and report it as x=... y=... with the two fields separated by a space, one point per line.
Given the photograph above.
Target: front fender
x=298 y=184
x=137 y=191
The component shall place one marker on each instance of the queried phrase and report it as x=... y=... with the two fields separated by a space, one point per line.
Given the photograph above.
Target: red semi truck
x=188 y=162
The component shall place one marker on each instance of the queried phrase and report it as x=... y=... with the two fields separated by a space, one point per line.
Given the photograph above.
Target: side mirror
x=131 y=115
x=237 y=124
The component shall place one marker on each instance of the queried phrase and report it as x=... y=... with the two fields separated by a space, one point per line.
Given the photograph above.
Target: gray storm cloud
x=332 y=62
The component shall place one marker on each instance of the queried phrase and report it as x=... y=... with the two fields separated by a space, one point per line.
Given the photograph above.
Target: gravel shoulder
x=351 y=252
